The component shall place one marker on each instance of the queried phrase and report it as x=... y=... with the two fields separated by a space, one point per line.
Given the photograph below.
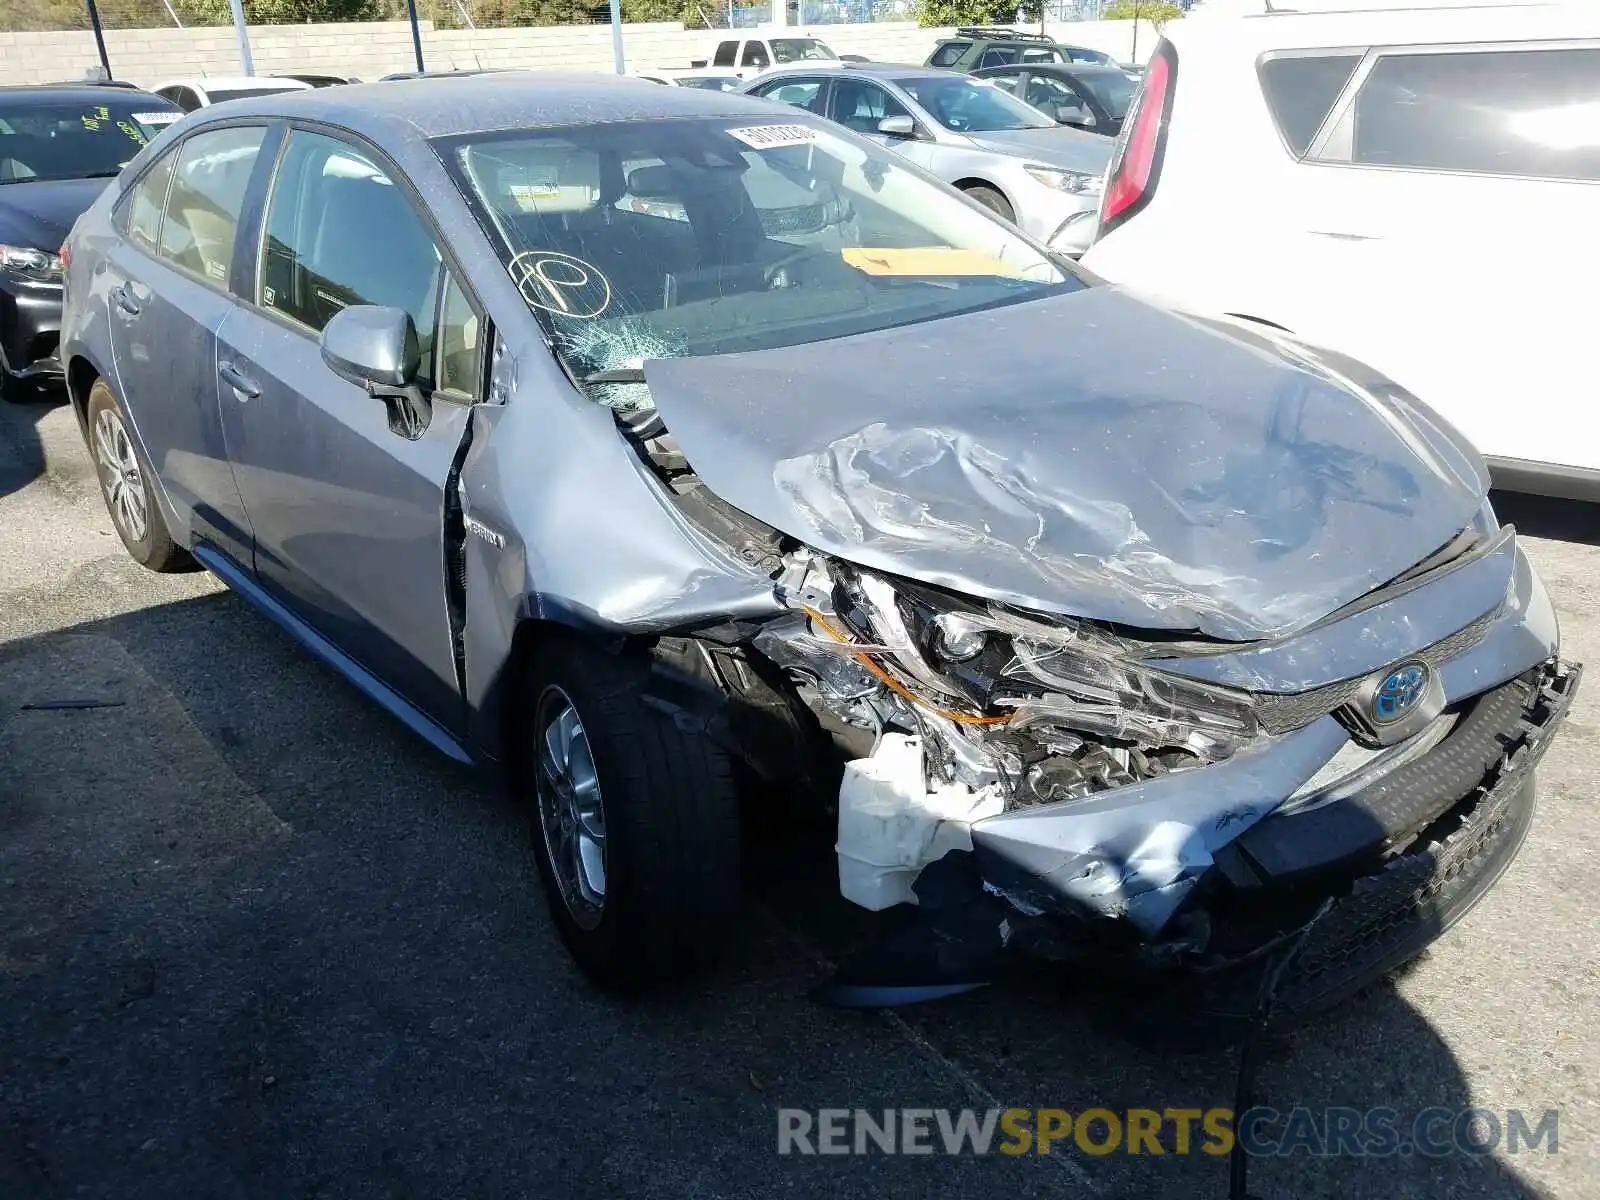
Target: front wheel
x=127 y=487
x=991 y=199
x=635 y=819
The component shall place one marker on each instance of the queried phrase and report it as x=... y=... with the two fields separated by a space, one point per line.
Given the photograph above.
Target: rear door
x=348 y=512
x=170 y=275
x=1460 y=185
x=807 y=92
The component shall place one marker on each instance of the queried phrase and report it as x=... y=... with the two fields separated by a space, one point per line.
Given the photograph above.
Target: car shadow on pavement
x=22 y=451
x=255 y=940
x=1544 y=517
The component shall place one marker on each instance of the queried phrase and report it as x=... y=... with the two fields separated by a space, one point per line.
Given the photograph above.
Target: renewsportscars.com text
x=1368 y=1133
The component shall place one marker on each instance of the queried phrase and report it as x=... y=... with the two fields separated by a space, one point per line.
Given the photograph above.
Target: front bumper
x=1136 y=853
x=30 y=329
x=1391 y=915
x=1064 y=221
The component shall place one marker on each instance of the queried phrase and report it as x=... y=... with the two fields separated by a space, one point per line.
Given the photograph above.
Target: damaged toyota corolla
x=663 y=445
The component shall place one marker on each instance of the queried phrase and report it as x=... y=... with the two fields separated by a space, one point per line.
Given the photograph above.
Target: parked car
x=443 y=73
x=1152 y=636
x=1006 y=155
x=748 y=56
x=709 y=79
x=1383 y=155
x=975 y=48
x=59 y=143
x=324 y=80
x=1092 y=98
x=192 y=94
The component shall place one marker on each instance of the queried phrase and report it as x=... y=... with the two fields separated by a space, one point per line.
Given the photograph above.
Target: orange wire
x=894 y=684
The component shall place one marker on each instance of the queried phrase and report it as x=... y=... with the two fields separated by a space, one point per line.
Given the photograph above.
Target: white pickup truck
x=748 y=56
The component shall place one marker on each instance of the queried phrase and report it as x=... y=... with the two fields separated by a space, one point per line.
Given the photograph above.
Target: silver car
x=668 y=448
x=1004 y=153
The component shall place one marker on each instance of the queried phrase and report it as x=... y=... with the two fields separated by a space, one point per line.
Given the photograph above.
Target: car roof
x=76 y=91
x=443 y=106
x=1245 y=26
x=1087 y=70
x=235 y=83
x=894 y=73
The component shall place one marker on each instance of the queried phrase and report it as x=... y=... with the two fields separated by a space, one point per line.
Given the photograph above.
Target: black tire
x=151 y=545
x=670 y=818
x=16 y=391
x=990 y=199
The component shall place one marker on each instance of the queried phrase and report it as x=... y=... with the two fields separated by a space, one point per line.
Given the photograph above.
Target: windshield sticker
x=768 y=137
x=927 y=262
x=561 y=284
x=541 y=185
x=156 y=118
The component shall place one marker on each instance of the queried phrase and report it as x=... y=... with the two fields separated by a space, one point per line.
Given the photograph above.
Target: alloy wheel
x=571 y=814
x=120 y=475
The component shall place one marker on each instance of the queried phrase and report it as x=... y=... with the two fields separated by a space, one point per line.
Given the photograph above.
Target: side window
x=1530 y=113
x=948 y=54
x=1000 y=56
x=459 y=363
x=1056 y=99
x=185 y=98
x=141 y=215
x=1007 y=82
x=1300 y=91
x=339 y=232
x=755 y=55
x=861 y=105
x=1043 y=55
x=726 y=52
x=801 y=93
x=208 y=186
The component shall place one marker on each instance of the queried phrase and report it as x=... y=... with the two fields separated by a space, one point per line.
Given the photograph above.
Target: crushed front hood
x=1088 y=454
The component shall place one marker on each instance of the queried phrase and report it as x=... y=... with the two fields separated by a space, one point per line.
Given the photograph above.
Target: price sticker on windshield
x=769 y=137
x=156 y=118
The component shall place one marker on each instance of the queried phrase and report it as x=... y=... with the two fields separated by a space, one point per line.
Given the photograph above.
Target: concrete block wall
x=372 y=49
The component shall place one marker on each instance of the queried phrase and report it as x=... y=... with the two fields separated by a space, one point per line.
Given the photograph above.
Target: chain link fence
x=52 y=15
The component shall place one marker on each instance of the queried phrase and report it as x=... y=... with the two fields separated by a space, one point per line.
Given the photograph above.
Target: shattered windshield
x=71 y=139
x=668 y=239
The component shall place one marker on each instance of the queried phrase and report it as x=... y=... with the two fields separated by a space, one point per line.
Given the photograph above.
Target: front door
x=167 y=298
x=348 y=512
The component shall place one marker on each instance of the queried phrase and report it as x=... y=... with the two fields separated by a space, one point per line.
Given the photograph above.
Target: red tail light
x=1137 y=164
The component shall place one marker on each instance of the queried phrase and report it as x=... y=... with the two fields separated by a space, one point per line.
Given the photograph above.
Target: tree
x=1157 y=12
x=933 y=14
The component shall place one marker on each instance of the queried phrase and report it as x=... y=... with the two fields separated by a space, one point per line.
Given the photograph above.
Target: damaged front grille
x=1285 y=713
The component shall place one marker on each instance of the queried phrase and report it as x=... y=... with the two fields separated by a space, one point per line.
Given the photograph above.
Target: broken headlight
x=1039 y=674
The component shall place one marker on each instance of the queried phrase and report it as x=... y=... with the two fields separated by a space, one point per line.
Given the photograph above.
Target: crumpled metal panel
x=1088 y=455
x=1135 y=851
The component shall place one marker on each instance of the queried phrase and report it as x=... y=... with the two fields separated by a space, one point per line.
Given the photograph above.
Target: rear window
x=1532 y=113
x=222 y=95
x=948 y=54
x=1301 y=90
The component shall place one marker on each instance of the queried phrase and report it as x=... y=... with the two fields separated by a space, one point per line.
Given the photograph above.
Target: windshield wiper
x=617 y=375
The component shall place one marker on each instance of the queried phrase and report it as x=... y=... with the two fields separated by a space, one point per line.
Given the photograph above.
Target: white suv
x=1418 y=188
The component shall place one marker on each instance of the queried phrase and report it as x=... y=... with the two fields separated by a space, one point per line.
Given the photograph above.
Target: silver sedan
x=1004 y=153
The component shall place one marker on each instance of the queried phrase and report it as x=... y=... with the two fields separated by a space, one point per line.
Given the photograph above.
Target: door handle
x=247 y=388
x=124 y=301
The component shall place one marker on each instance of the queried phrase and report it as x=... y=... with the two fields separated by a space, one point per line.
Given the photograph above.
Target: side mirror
x=372 y=346
x=375 y=348
x=898 y=126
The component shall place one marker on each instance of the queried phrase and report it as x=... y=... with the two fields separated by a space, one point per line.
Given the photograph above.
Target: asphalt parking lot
x=257 y=941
